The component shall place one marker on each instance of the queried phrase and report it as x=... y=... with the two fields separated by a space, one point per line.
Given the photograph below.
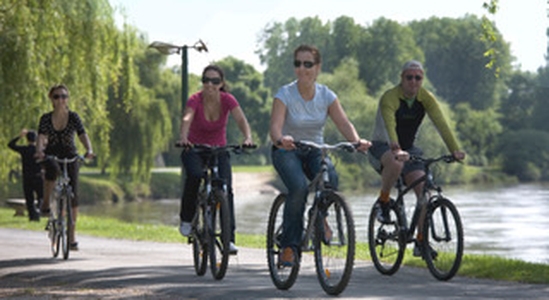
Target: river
x=510 y=221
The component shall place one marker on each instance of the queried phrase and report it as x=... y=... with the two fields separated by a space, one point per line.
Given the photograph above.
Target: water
x=511 y=221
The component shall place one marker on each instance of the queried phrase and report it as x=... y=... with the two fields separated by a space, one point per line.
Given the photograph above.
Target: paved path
x=119 y=269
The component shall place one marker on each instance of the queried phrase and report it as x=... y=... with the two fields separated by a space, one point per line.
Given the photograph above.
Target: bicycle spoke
x=334 y=245
x=443 y=244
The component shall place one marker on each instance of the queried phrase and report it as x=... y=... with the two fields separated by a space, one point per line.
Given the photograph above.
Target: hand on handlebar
x=401 y=155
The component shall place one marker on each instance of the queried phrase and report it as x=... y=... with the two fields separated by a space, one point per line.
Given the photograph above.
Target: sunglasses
x=410 y=77
x=306 y=64
x=214 y=80
x=62 y=96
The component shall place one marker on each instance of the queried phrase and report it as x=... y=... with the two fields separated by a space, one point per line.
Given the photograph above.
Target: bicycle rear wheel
x=220 y=235
x=198 y=239
x=283 y=277
x=386 y=241
x=442 y=239
x=334 y=243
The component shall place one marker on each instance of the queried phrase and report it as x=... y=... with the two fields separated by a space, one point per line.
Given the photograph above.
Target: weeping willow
x=45 y=42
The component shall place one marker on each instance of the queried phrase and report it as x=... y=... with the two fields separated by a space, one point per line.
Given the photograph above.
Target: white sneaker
x=185 y=228
x=232 y=248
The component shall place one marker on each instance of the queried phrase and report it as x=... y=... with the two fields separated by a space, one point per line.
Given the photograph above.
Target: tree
x=455 y=62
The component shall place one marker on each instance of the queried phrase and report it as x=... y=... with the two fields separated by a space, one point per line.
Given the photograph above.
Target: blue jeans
x=194 y=172
x=296 y=168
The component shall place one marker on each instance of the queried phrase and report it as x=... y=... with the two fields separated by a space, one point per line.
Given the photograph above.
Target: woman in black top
x=56 y=137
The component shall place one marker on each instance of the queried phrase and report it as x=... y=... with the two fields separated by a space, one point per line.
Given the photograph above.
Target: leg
x=288 y=165
x=192 y=163
x=73 y=170
x=225 y=172
x=29 y=199
x=50 y=175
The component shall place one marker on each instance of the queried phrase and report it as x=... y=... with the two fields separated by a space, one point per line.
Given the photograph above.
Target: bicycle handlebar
x=447 y=158
x=62 y=160
x=236 y=148
x=347 y=146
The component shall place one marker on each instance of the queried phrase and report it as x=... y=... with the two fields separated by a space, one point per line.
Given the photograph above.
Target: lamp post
x=169 y=49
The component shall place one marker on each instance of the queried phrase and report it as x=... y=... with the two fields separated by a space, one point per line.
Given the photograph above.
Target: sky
x=232 y=27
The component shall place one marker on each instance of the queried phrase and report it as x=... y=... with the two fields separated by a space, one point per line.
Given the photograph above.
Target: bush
x=165 y=185
x=94 y=190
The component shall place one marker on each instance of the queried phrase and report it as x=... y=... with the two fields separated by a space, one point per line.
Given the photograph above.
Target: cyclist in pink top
x=205 y=122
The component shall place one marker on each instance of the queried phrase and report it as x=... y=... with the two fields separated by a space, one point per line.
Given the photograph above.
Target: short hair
x=31 y=136
x=309 y=48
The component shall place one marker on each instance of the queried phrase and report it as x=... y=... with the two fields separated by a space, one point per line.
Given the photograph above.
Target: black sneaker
x=383 y=212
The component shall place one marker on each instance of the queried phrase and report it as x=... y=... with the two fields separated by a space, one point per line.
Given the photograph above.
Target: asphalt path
x=121 y=269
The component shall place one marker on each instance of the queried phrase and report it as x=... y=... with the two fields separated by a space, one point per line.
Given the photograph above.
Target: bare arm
x=41 y=144
x=243 y=125
x=278 y=115
x=186 y=121
x=85 y=140
x=337 y=114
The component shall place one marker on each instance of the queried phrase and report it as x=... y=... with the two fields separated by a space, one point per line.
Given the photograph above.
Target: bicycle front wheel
x=386 y=241
x=334 y=243
x=442 y=239
x=220 y=235
x=63 y=219
x=55 y=237
x=283 y=277
x=198 y=239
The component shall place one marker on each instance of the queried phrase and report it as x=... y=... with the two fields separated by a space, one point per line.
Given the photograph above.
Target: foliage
x=48 y=42
x=525 y=154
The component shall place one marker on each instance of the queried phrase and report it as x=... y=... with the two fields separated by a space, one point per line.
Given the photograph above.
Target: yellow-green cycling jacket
x=398 y=119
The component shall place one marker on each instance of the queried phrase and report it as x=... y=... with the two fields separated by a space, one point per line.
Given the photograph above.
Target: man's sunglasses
x=62 y=96
x=306 y=64
x=410 y=77
x=214 y=80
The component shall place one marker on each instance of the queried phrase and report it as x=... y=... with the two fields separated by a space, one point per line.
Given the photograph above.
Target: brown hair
x=216 y=68
x=309 y=48
x=57 y=87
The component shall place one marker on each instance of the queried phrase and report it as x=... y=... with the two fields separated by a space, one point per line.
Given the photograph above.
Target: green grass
x=475 y=266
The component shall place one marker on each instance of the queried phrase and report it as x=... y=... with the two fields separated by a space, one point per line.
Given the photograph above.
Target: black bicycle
x=211 y=227
x=442 y=244
x=60 y=219
x=329 y=231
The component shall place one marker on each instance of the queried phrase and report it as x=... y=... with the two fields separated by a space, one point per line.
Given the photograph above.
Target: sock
x=384 y=196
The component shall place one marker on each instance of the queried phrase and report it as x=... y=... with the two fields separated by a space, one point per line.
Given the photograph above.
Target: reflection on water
x=510 y=221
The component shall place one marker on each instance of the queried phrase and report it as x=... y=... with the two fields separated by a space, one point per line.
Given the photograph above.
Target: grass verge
x=475 y=266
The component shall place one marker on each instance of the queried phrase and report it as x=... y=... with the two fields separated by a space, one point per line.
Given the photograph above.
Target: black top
x=61 y=143
x=30 y=167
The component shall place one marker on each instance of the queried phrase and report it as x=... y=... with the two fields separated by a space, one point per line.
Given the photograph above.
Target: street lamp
x=169 y=49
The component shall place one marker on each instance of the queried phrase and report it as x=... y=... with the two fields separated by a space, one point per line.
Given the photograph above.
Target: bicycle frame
x=403 y=189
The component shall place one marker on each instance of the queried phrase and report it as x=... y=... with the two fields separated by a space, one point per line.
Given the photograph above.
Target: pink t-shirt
x=207 y=132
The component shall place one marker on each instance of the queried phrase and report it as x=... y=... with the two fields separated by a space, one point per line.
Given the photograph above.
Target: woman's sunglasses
x=214 y=80
x=62 y=96
x=306 y=64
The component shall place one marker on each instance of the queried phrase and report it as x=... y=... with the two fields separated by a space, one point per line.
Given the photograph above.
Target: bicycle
x=60 y=219
x=442 y=245
x=334 y=256
x=211 y=229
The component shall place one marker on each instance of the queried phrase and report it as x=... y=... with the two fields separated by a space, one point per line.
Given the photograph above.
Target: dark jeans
x=33 y=186
x=296 y=168
x=194 y=171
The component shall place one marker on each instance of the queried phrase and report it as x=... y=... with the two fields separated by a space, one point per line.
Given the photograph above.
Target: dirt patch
x=254 y=182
